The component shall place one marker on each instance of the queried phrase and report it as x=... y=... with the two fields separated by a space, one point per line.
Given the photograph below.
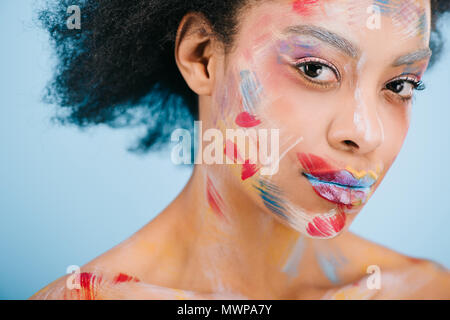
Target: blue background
x=67 y=195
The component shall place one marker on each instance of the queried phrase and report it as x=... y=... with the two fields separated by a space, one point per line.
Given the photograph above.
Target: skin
x=218 y=238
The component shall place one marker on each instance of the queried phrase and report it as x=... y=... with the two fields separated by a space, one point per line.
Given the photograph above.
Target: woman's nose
x=357 y=126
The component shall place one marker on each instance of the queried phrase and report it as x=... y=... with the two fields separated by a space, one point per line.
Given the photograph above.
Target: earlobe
x=194 y=53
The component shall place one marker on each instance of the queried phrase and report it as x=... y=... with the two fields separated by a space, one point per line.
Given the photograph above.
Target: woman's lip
x=341 y=178
x=339 y=194
x=320 y=170
x=337 y=186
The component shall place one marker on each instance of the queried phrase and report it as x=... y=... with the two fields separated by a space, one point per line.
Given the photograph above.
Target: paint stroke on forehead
x=305 y=7
x=387 y=6
x=407 y=15
x=411 y=17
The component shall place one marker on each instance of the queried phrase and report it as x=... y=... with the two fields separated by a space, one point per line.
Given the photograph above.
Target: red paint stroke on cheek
x=122 y=277
x=248 y=170
x=247 y=120
x=303 y=7
x=326 y=227
x=214 y=197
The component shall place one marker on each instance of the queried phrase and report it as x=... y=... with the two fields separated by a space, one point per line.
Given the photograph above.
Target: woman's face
x=334 y=79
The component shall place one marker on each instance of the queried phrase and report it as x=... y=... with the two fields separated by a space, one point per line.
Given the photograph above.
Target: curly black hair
x=119 y=68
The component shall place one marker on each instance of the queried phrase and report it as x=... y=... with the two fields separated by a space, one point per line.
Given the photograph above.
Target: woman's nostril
x=351 y=144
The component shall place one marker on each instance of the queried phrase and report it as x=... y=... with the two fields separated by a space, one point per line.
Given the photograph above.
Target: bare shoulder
x=113 y=266
x=378 y=272
x=420 y=279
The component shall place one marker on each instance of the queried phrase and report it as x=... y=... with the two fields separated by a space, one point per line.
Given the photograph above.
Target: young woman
x=318 y=94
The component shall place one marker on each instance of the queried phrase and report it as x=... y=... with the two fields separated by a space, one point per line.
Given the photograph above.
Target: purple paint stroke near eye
x=296 y=48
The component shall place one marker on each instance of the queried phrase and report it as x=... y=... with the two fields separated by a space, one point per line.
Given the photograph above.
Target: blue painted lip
x=357 y=184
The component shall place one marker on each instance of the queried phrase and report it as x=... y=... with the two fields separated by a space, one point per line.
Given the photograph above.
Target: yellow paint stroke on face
x=373 y=175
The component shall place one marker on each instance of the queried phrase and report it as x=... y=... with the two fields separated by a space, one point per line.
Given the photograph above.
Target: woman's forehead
x=354 y=25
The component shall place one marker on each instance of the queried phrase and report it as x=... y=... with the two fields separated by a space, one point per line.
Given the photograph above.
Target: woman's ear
x=194 y=53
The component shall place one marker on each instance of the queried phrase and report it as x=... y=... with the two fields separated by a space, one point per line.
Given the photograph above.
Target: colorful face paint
x=214 y=199
x=316 y=74
x=122 y=277
x=342 y=187
x=304 y=7
x=408 y=16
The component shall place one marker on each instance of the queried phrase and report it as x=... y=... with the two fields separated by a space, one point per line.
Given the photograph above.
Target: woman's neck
x=226 y=244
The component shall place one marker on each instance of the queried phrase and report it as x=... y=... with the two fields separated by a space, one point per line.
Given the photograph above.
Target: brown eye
x=403 y=88
x=313 y=70
x=396 y=86
x=317 y=72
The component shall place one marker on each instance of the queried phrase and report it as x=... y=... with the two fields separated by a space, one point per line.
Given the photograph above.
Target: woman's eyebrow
x=412 y=57
x=327 y=36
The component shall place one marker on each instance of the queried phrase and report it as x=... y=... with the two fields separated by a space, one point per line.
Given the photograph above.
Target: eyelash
x=317 y=61
x=412 y=79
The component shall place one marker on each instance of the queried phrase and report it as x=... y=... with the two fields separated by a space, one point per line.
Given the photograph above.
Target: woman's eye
x=401 y=87
x=317 y=72
x=404 y=88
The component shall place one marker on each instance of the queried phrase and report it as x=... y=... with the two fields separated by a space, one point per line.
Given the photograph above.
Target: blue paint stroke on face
x=269 y=193
x=422 y=27
x=386 y=6
x=251 y=90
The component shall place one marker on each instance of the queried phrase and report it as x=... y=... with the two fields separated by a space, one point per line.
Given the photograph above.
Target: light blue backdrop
x=66 y=196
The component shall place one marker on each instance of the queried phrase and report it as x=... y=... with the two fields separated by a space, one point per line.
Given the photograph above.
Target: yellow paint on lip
x=357 y=174
x=360 y=174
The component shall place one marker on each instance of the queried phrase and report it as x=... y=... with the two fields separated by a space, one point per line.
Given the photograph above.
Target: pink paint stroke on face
x=303 y=7
x=232 y=152
x=247 y=120
x=327 y=227
x=215 y=201
x=248 y=170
